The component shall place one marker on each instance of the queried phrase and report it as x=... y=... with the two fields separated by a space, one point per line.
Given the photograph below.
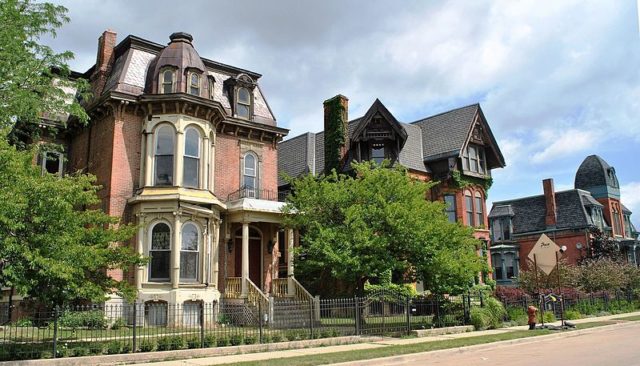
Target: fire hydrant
x=531 y=311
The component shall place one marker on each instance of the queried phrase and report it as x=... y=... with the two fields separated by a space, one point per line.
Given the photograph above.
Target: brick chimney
x=104 y=61
x=336 y=132
x=550 y=218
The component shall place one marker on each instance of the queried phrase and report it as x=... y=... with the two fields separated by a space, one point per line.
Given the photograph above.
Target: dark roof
x=292 y=156
x=595 y=172
x=445 y=134
x=588 y=200
x=529 y=212
x=501 y=211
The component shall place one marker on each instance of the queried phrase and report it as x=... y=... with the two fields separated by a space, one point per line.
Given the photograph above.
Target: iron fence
x=94 y=329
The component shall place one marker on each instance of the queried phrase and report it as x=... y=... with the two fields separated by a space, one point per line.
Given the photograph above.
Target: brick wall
x=227 y=166
x=568 y=238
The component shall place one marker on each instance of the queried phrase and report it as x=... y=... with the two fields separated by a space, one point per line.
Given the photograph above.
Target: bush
x=164 y=344
x=518 y=316
x=147 y=345
x=250 y=339
x=126 y=347
x=266 y=338
x=277 y=337
x=572 y=315
x=24 y=322
x=325 y=333
x=118 y=324
x=223 y=341
x=549 y=317
x=236 y=339
x=80 y=351
x=193 y=342
x=210 y=340
x=490 y=316
x=176 y=342
x=93 y=319
x=114 y=347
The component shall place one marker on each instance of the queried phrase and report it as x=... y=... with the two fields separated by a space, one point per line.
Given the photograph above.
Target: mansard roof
x=593 y=172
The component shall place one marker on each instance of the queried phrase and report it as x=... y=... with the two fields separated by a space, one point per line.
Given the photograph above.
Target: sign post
x=544 y=255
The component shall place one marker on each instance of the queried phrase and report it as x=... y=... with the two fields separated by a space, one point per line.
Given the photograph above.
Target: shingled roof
x=529 y=212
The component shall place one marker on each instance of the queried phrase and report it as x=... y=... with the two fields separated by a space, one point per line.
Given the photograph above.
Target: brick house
x=455 y=148
x=566 y=217
x=185 y=147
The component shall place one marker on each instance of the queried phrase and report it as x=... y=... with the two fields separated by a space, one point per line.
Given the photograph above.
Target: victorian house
x=186 y=148
x=455 y=148
x=566 y=217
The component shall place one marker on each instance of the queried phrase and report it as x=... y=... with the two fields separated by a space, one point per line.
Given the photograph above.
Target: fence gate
x=383 y=313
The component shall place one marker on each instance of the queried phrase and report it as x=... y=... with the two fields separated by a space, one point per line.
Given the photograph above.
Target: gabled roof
x=378 y=107
x=529 y=212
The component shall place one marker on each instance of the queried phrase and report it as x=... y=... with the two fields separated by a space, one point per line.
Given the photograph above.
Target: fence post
x=408 y=315
x=201 y=321
x=135 y=325
x=260 y=317
x=355 y=304
x=481 y=299
x=55 y=331
x=311 y=310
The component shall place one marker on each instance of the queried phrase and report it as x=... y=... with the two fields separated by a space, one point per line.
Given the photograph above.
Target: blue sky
x=557 y=80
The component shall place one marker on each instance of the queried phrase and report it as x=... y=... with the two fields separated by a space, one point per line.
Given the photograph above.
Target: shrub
x=164 y=344
x=24 y=322
x=80 y=351
x=572 y=315
x=549 y=317
x=266 y=338
x=210 y=340
x=236 y=339
x=479 y=318
x=490 y=316
x=251 y=339
x=277 y=337
x=114 y=347
x=325 y=333
x=118 y=324
x=176 y=342
x=223 y=341
x=518 y=316
x=93 y=319
x=510 y=294
x=335 y=333
x=147 y=345
x=193 y=342
x=126 y=347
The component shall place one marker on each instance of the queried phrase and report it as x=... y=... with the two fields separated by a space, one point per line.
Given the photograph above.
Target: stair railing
x=255 y=297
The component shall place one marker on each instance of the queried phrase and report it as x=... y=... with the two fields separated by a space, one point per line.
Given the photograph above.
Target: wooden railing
x=300 y=292
x=256 y=297
x=280 y=287
x=233 y=288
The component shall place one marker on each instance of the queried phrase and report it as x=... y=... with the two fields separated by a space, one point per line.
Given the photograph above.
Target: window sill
x=476 y=174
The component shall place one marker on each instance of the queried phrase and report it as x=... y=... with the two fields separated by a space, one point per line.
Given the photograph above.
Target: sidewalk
x=220 y=360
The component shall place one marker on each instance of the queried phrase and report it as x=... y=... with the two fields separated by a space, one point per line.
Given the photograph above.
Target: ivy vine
x=463 y=181
x=334 y=134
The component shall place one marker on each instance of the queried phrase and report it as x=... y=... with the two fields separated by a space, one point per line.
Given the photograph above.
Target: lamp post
x=561 y=251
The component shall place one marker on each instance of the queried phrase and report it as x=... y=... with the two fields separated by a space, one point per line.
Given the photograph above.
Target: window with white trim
x=468 y=205
x=164 y=151
x=243 y=103
x=52 y=162
x=501 y=228
x=191 y=159
x=189 y=261
x=479 y=209
x=250 y=174
x=160 y=252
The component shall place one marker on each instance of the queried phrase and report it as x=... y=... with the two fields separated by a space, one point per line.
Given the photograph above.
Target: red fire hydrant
x=531 y=311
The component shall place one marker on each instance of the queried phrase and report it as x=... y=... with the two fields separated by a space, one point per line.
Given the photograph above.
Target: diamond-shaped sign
x=545 y=254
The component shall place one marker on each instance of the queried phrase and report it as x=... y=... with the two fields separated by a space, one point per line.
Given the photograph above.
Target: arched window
x=189 y=253
x=191 y=162
x=468 y=206
x=167 y=81
x=194 y=84
x=160 y=252
x=243 y=103
x=164 y=156
x=249 y=173
x=479 y=209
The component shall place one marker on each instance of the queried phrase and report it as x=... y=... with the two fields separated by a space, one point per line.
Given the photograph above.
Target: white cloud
x=630 y=197
x=558 y=144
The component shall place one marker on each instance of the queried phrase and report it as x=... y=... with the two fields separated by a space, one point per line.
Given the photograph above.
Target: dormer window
x=501 y=228
x=473 y=160
x=194 y=84
x=168 y=81
x=243 y=103
x=212 y=84
x=377 y=152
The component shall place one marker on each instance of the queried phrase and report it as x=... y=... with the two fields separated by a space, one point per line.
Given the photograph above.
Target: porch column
x=139 y=250
x=148 y=160
x=215 y=253
x=179 y=154
x=290 y=289
x=245 y=258
x=175 y=252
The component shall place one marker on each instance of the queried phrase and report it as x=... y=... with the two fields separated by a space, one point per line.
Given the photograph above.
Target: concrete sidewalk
x=220 y=360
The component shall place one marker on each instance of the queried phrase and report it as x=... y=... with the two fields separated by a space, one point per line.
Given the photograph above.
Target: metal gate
x=383 y=313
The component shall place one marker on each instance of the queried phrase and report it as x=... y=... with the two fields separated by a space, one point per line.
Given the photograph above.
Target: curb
x=492 y=345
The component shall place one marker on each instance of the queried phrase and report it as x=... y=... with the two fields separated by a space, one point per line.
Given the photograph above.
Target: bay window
x=189 y=253
x=191 y=159
x=160 y=252
x=165 y=137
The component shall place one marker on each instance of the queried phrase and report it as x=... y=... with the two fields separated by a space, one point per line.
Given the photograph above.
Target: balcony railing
x=261 y=194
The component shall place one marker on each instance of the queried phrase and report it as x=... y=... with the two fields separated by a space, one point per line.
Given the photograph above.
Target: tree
x=34 y=80
x=602 y=246
x=358 y=227
x=54 y=247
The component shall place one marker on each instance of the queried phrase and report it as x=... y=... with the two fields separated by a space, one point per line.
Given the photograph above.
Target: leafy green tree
x=602 y=246
x=53 y=246
x=34 y=80
x=360 y=227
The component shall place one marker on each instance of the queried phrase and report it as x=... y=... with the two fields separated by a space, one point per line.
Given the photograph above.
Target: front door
x=255 y=257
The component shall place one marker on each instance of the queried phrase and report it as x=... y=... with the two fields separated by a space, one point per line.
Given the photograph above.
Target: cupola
x=598 y=177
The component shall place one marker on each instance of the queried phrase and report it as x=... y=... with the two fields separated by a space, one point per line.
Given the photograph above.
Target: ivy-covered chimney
x=336 y=132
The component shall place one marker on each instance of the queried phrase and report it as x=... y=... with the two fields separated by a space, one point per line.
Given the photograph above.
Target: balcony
x=260 y=194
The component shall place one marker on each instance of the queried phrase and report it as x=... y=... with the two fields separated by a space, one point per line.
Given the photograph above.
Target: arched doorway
x=255 y=255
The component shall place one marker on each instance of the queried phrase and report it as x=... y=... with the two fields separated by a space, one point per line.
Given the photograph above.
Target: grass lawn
x=347 y=356
x=629 y=318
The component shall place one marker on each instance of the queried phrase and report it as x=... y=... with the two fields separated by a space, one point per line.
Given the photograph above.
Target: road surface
x=615 y=347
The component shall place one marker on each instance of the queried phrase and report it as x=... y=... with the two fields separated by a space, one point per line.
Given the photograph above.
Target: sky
x=557 y=80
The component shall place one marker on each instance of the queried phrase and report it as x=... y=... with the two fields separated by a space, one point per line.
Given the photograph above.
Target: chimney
x=104 y=61
x=336 y=132
x=550 y=218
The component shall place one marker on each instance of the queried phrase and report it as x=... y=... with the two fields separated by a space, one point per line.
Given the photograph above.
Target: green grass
x=629 y=318
x=595 y=324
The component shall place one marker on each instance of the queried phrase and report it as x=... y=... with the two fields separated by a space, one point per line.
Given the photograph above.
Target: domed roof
x=595 y=175
x=181 y=56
